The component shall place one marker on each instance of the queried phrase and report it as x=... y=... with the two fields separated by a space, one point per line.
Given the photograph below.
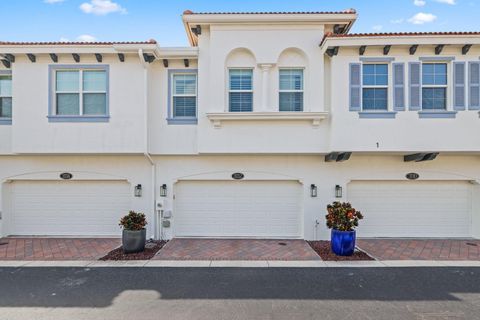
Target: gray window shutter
x=415 y=86
x=474 y=85
x=459 y=85
x=398 y=86
x=355 y=87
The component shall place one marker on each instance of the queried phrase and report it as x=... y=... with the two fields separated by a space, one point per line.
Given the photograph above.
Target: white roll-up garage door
x=77 y=208
x=412 y=208
x=262 y=209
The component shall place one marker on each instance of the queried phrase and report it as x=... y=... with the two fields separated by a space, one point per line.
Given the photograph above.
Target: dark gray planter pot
x=134 y=240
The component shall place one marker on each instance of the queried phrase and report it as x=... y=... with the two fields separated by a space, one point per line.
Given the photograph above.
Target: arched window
x=292 y=63
x=240 y=67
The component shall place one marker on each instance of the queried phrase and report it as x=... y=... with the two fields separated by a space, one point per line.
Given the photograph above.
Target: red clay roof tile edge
x=348 y=11
x=399 y=34
x=96 y=43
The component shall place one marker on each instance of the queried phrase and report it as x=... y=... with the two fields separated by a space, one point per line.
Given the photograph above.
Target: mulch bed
x=151 y=248
x=322 y=248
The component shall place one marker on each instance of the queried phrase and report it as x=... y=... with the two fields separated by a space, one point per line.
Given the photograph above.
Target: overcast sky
x=131 y=20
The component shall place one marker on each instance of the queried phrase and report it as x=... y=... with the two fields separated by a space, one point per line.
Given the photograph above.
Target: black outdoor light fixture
x=338 y=191
x=313 y=190
x=163 y=190
x=138 y=190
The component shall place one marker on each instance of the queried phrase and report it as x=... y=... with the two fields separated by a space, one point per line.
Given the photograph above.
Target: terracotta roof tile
x=348 y=11
x=56 y=43
x=400 y=34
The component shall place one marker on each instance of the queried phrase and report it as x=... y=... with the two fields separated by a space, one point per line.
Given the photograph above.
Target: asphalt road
x=240 y=293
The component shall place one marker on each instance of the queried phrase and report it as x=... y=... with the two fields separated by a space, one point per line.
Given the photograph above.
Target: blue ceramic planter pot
x=343 y=242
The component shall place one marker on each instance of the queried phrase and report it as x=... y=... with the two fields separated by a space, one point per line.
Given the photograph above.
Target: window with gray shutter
x=434 y=86
x=355 y=87
x=459 y=85
x=474 y=86
x=375 y=87
x=414 y=84
x=398 y=86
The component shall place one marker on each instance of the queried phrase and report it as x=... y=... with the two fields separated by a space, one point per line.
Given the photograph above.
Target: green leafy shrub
x=133 y=221
x=341 y=216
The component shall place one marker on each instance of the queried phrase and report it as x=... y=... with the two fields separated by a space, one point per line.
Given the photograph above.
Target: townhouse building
x=248 y=132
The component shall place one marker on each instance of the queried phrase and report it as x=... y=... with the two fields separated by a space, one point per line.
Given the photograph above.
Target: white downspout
x=146 y=140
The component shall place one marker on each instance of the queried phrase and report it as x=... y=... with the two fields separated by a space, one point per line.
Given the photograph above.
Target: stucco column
x=265 y=82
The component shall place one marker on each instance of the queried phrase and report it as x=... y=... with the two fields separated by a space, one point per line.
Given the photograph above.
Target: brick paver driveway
x=56 y=248
x=236 y=249
x=421 y=249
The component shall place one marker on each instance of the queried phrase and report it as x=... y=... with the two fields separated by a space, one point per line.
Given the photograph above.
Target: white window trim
x=302 y=90
x=387 y=86
x=173 y=94
x=251 y=91
x=52 y=107
x=80 y=91
x=448 y=103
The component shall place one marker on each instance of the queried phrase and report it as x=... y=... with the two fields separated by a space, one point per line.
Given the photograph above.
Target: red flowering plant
x=133 y=221
x=342 y=217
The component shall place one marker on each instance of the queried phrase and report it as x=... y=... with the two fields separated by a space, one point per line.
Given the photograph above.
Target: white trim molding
x=218 y=117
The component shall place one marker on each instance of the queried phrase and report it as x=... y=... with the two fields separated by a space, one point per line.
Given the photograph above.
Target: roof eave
x=192 y=39
x=267 y=18
x=398 y=40
x=80 y=48
x=178 y=52
x=206 y=19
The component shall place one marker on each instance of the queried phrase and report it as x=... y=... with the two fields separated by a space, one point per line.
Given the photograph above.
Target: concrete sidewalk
x=241 y=263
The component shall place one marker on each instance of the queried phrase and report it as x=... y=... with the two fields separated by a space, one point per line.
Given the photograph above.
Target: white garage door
x=262 y=209
x=83 y=208
x=412 y=208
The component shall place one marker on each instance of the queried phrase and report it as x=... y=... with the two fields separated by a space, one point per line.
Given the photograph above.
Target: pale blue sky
x=125 y=20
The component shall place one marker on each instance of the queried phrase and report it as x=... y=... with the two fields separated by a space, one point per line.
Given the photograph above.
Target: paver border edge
x=237 y=264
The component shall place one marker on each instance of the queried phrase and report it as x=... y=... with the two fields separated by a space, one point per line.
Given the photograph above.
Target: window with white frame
x=240 y=97
x=375 y=87
x=291 y=89
x=434 y=86
x=184 y=95
x=80 y=92
x=5 y=96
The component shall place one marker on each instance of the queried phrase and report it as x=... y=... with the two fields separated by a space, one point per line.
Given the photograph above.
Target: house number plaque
x=66 y=176
x=238 y=176
x=412 y=176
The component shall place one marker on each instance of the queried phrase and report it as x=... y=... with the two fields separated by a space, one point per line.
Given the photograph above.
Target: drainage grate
x=282 y=244
x=472 y=244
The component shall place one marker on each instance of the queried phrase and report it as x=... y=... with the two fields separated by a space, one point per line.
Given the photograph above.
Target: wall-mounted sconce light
x=138 y=190
x=313 y=190
x=163 y=190
x=338 y=191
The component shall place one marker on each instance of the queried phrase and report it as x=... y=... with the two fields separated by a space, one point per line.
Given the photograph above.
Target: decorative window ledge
x=377 y=114
x=314 y=117
x=5 y=121
x=377 y=59
x=436 y=58
x=182 y=121
x=437 y=114
x=78 y=118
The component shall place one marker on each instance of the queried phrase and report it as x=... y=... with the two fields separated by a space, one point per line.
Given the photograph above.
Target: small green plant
x=133 y=221
x=342 y=217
